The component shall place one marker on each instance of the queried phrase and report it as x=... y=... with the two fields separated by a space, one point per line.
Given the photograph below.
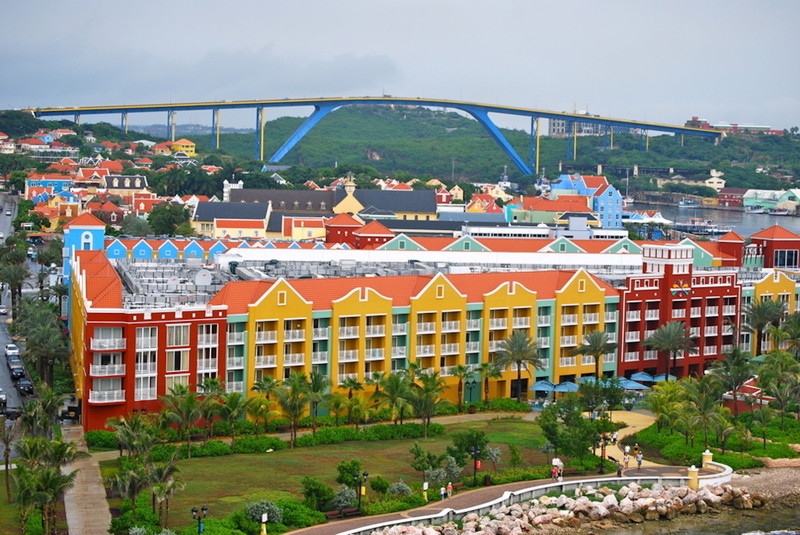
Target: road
x=14 y=399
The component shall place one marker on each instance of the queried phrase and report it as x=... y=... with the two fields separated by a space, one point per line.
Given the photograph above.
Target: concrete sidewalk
x=85 y=503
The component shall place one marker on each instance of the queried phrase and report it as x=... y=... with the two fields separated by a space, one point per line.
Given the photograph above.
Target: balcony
x=569 y=319
x=610 y=317
x=712 y=330
x=426 y=327
x=266 y=361
x=146 y=368
x=234 y=386
x=206 y=365
x=426 y=351
x=694 y=331
x=345 y=376
x=474 y=325
x=348 y=332
x=592 y=317
x=235 y=338
x=447 y=371
x=651 y=354
x=473 y=347
x=451 y=326
x=207 y=340
x=106 y=396
x=451 y=349
x=651 y=314
x=543 y=343
x=678 y=313
x=234 y=362
x=633 y=336
x=375 y=330
x=376 y=353
x=712 y=311
x=545 y=363
x=294 y=359
x=319 y=357
x=609 y=358
x=648 y=334
x=727 y=348
x=496 y=345
x=566 y=362
x=498 y=323
x=294 y=335
x=399 y=328
x=143 y=394
x=710 y=350
x=633 y=315
x=567 y=341
x=696 y=312
x=399 y=352
x=266 y=337
x=320 y=333
x=108 y=344
x=104 y=370
x=727 y=330
x=587 y=360
x=521 y=322
x=631 y=356
x=348 y=355
x=543 y=321
x=146 y=343
x=729 y=310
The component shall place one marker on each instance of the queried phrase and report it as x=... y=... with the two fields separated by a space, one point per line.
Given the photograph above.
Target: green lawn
x=9 y=517
x=227 y=484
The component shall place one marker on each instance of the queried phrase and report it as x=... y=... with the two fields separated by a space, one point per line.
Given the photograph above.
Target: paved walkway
x=85 y=503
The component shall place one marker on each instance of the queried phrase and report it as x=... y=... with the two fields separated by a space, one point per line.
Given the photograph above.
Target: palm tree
x=762 y=417
x=51 y=484
x=673 y=338
x=24 y=494
x=233 y=408
x=357 y=410
x=316 y=392
x=337 y=404
x=130 y=483
x=182 y=407
x=163 y=493
x=351 y=384
x=462 y=373
x=45 y=342
x=293 y=399
x=761 y=314
x=784 y=392
x=260 y=410
x=791 y=326
x=133 y=434
x=777 y=365
x=732 y=372
x=211 y=390
x=160 y=474
x=521 y=351
x=426 y=397
x=487 y=372
x=375 y=379
x=266 y=385
x=596 y=344
x=14 y=276
x=8 y=434
x=703 y=400
x=394 y=394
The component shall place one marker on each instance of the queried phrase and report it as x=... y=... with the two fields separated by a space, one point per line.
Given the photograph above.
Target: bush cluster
x=106 y=440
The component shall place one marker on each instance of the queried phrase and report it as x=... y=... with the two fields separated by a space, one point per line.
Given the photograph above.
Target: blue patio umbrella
x=627 y=384
x=566 y=386
x=543 y=385
x=664 y=377
x=642 y=376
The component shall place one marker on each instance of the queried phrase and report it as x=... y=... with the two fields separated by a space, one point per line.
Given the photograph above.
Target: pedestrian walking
x=561 y=473
x=443 y=492
x=554 y=473
x=614 y=436
x=639 y=458
x=626 y=459
x=619 y=469
x=449 y=489
x=636 y=449
x=627 y=449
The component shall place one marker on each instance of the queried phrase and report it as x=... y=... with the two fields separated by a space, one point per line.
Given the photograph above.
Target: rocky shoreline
x=590 y=510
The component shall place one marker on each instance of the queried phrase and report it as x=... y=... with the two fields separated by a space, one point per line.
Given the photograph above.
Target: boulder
x=690 y=509
x=610 y=501
x=619 y=517
x=651 y=513
x=636 y=518
x=702 y=506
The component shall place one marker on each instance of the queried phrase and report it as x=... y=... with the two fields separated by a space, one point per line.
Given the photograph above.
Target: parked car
x=14 y=362
x=3 y=310
x=11 y=349
x=25 y=387
x=17 y=372
x=3 y=397
x=8 y=212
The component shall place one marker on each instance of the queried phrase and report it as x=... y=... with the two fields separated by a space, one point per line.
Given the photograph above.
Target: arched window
x=86 y=241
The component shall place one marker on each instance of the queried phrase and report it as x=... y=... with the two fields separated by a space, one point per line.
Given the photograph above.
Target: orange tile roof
x=239 y=223
x=85 y=220
x=732 y=237
x=593 y=181
x=343 y=220
x=373 y=228
x=776 y=232
x=103 y=285
x=565 y=203
x=239 y=295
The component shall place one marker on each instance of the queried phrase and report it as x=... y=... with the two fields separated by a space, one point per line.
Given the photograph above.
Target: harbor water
x=741 y=222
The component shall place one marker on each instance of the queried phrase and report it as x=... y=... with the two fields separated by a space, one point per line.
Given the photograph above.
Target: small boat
x=778 y=211
x=754 y=210
x=702 y=227
x=688 y=203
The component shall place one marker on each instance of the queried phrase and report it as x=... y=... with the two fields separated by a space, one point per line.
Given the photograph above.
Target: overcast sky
x=724 y=60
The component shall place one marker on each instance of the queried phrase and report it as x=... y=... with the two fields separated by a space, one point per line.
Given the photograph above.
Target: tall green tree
x=394 y=393
x=673 y=339
x=166 y=217
x=759 y=315
x=182 y=408
x=597 y=344
x=520 y=351
x=488 y=371
x=732 y=372
x=426 y=396
x=293 y=400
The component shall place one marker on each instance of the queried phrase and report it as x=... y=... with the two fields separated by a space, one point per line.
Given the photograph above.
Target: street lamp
x=264 y=518
x=199 y=514
x=471 y=384
x=475 y=451
x=360 y=479
x=602 y=452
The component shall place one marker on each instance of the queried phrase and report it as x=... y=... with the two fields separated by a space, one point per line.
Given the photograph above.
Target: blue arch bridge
x=323 y=106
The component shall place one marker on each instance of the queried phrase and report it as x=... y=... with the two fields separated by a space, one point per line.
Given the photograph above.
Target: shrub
x=447 y=408
x=503 y=405
x=212 y=448
x=254 y=510
x=516 y=474
x=222 y=428
x=682 y=453
x=345 y=497
x=737 y=461
x=399 y=488
x=316 y=494
x=144 y=515
x=101 y=440
x=390 y=505
x=297 y=515
x=244 y=427
x=349 y=473
x=379 y=484
x=259 y=444
x=162 y=453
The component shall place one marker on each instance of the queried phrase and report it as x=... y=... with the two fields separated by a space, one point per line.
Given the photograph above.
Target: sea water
x=783 y=521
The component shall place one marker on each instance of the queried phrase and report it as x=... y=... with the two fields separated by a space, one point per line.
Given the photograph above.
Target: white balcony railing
x=473 y=325
x=591 y=317
x=348 y=332
x=587 y=360
x=651 y=314
x=712 y=311
x=566 y=362
x=318 y=333
x=610 y=317
x=648 y=334
x=234 y=362
x=545 y=363
x=727 y=329
x=345 y=376
x=543 y=321
x=473 y=347
x=103 y=370
x=446 y=371
x=399 y=328
x=376 y=353
x=726 y=348
x=234 y=386
x=710 y=350
x=205 y=365
x=631 y=356
x=294 y=359
x=399 y=352
x=543 y=342
x=147 y=343
x=266 y=361
x=521 y=322
x=712 y=330
x=729 y=310
x=294 y=335
x=143 y=394
x=266 y=337
x=235 y=338
x=108 y=344
x=632 y=336
x=451 y=326
x=146 y=368
x=495 y=345
x=207 y=340
x=678 y=313
x=375 y=330
x=694 y=331
x=106 y=396
x=450 y=349
x=633 y=315
x=567 y=341
x=498 y=323
x=651 y=354
x=569 y=319
x=609 y=358
x=348 y=355
x=426 y=327
x=426 y=351
x=319 y=357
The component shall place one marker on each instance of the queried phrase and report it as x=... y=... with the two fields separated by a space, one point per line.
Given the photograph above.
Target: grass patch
x=9 y=516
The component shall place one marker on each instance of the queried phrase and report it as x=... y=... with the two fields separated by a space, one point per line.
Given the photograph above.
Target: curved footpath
x=88 y=514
